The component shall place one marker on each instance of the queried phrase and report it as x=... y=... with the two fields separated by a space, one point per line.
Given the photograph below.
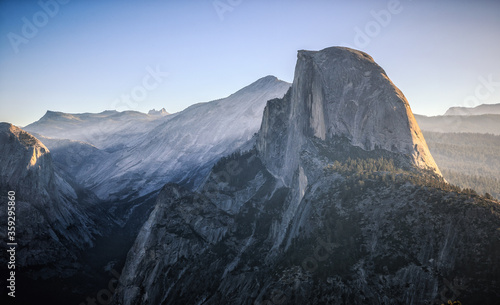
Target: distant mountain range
x=109 y=130
x=481 y=119
x=137 y=153
x=485 y=123
x=478 y=110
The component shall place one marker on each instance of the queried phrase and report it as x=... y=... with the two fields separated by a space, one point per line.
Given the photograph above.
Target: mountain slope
x=320 y=213
x=184 y=148
x=377 y=243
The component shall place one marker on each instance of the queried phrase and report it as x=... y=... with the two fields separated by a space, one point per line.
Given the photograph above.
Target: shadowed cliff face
x=340 y=92
x=339 y=203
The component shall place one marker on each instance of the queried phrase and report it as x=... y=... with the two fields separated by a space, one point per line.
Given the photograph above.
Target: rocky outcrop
x=54 y=218
x=161 y=112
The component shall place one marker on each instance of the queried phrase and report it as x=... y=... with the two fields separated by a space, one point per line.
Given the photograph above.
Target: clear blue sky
x=83 y=56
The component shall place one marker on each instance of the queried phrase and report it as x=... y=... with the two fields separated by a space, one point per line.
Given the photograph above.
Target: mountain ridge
x=138 y=153
x=485 y=123
x=478 y=110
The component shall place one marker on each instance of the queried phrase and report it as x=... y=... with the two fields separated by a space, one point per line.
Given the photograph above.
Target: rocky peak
x=23 y=153
x=340 y=92
x=161 y=112
x=267 y=83
x=57 y=116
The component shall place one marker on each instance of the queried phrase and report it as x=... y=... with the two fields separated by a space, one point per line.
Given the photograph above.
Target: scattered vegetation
x=364 y=166
x=361 y=173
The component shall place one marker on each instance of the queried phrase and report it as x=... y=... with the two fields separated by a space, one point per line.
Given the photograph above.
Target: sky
x=80 y=56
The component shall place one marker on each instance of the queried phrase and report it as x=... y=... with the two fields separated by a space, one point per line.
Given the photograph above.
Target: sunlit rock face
x=340 y=92
x=53 y=221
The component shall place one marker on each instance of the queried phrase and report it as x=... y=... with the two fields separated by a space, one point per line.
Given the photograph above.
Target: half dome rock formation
x=340 y=92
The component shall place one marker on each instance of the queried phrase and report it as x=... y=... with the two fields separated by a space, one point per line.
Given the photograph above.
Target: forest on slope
x=468 y=160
